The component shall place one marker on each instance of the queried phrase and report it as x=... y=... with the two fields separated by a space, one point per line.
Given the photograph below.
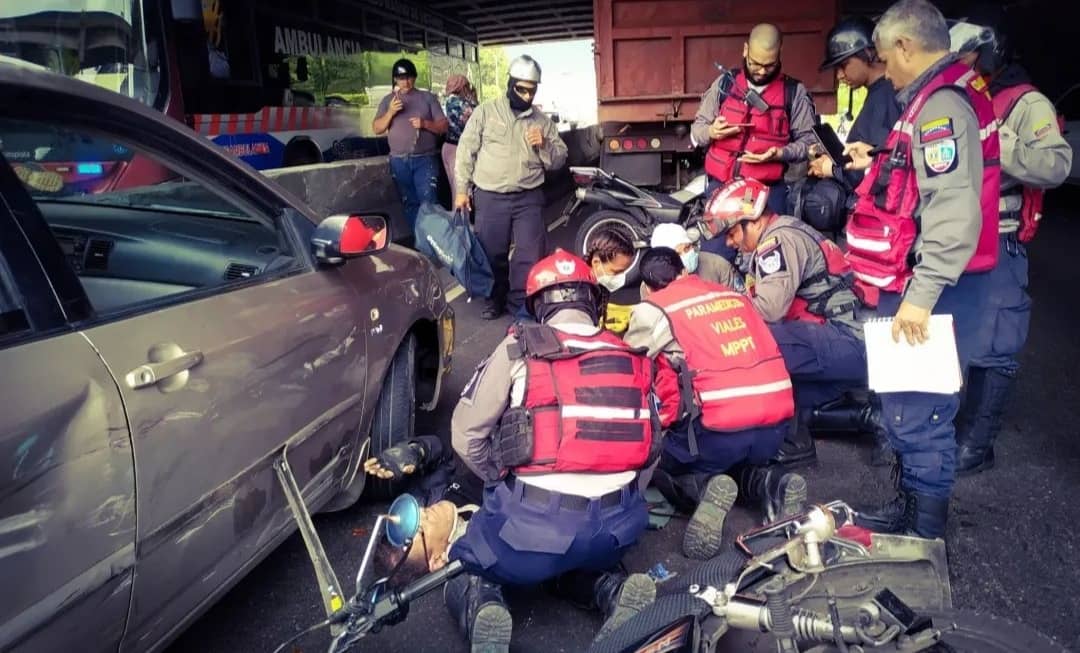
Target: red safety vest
x=739 y=379
x=1031 y=198
x=771 y=128
x=882 y=228
x=808 y=305
x=590 y=403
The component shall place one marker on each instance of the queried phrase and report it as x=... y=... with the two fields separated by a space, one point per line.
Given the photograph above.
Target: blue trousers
x=824 y=360
x=1003 y=334
x=513 y=542
x=920 y=424
x=417 y=180
x=718 y=244
x=719 y=452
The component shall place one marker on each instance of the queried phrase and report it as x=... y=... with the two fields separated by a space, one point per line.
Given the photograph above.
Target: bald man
x=744 y=141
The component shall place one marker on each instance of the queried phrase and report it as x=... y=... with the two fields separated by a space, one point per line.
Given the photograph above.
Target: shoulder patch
x=1042 y=130
x=771 y=263
x=940 y=157
x=936 y=129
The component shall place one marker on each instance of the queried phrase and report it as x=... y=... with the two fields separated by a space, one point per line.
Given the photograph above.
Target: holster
x=512 y=444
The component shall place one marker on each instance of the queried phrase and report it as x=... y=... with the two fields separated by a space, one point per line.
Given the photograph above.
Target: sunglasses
x=525 y=90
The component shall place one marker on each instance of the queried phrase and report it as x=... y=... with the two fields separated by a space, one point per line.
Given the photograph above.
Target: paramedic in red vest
x=800 y=284
x=737 y=401
x=774 y=138
x=921 y=239
x=558 y=422
x=1034 y=157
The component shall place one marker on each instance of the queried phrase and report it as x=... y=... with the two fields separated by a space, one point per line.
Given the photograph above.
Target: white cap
x=669 y=235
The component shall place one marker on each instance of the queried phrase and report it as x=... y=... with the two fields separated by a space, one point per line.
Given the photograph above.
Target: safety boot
x=798 y=448
x=705 y=530
x=985 y=405
x=620 y=598
x=846 y=414
x=479 y=610
x=779 y=494
x=893 y=515
x=882 y=454
x=928 y=516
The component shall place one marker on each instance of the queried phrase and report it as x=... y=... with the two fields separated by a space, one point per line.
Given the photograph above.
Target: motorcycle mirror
x=403 y=520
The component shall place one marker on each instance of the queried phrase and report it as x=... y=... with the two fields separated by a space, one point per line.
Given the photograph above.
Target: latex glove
x=913 y=321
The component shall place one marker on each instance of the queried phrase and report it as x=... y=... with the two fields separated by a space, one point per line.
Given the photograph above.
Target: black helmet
x=849 y=37
x=403 y=68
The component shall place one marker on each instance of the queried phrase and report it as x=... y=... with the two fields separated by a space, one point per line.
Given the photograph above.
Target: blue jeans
x=920 y=424
x=718 y=244
x=514 y=542
x=824 y=360
x=417 y=180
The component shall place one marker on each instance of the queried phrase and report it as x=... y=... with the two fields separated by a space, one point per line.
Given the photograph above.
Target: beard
x=762 y=80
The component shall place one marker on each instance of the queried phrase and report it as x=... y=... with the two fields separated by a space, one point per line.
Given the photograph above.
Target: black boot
x=778 y=494
x=929 y=516
x=847 y=414
x=798 y=448
x=894 y=515
x=617 y=596
x=479 y=610
x=975 y=452
x=882 y=454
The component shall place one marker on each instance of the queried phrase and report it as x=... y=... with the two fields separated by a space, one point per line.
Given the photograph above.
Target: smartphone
x=831 y=142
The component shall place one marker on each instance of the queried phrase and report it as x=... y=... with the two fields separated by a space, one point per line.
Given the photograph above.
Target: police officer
x=743 y=141
x=801 y=285
x=1034 y=157
x=503 y=153
x=558 y=422
x=849 y=50
x=413 y=121
x=737 y=400
x=921 y=238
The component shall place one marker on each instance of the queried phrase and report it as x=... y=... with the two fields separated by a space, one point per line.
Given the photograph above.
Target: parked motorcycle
x=634 y=211
x=817 y=583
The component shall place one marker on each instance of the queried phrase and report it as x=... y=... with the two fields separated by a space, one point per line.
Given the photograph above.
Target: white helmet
x=525 y=68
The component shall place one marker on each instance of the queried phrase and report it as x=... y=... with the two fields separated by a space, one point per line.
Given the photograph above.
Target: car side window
x=134 y=230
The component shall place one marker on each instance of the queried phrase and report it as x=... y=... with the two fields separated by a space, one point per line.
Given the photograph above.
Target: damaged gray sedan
x=174 y=327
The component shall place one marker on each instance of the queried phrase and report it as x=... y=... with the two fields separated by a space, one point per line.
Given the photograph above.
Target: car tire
x=395 y=413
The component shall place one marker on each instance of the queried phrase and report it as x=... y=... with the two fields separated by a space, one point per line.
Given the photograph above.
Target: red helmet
x=562 y=278
x=741 y=200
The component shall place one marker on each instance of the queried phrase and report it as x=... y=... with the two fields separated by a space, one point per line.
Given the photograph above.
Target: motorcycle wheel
x=620 y=221
x=966 y=631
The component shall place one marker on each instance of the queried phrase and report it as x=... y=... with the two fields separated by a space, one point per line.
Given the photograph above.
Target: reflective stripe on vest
x=770 y=128
x=739 y=378
x=881 y=229
x=591 y=406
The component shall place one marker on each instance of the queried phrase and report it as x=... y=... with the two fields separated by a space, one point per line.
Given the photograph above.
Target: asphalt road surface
x=1012 y=531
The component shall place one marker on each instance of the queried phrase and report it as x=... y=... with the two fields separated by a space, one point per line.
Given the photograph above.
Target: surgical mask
x=690 y=260
x=612 y=282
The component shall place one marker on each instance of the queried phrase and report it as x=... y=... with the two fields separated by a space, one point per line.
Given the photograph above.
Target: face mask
x=612 y=281
x=517 y=103
x=690 y=260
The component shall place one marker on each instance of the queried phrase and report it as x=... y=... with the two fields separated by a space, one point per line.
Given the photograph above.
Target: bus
x=278 y=83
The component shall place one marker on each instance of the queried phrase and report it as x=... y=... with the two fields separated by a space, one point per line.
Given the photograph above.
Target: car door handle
x=150 y=374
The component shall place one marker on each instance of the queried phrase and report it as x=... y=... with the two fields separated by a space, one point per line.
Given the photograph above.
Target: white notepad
x=933 y=366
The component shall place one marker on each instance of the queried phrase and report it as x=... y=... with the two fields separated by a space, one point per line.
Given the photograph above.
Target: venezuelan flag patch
x=935 y=129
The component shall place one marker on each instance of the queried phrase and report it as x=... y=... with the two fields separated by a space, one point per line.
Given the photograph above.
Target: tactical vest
x=1031 y=198
x=588 y=404
x=828 y=293
x=771 y=128
x=737 y=376
x=882 y=228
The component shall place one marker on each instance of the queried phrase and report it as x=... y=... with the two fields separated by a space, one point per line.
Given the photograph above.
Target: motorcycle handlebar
x=430 y=582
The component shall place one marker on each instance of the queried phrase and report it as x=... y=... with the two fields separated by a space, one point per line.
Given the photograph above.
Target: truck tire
x=395 y=413
x=622 y=221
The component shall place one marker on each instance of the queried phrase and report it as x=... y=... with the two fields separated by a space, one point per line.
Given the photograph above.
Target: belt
x=538 y=496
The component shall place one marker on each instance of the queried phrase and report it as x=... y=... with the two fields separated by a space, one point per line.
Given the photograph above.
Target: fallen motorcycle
x=375 y=604
x=816 y=583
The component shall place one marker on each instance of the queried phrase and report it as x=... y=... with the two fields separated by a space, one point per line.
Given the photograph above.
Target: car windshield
x=102 y=42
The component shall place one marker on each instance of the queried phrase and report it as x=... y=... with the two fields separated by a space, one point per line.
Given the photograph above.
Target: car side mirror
x=342 y=237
